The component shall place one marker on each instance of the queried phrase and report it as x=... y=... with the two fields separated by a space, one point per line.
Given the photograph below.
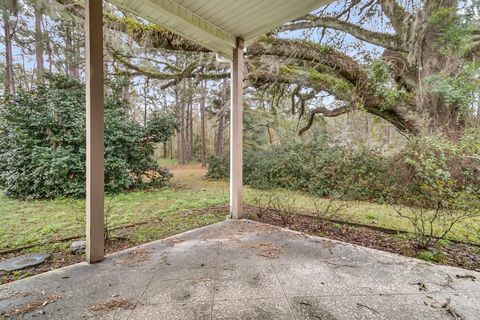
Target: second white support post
x=236 y=132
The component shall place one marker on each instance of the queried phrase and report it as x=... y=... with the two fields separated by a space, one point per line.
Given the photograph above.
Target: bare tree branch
x=326 y=113
x=388 y=41
x=188 y=72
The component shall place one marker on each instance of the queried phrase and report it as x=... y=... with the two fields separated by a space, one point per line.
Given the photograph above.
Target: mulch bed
x=58 y=259
x=453 y=254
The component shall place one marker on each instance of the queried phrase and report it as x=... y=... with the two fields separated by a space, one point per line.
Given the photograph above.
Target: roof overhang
x=215 y=24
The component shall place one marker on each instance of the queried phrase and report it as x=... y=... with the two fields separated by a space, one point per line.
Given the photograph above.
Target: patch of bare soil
x=221 y=209
x=453 y=254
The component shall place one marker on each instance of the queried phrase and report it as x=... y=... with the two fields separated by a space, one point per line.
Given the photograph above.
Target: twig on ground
x=367 y=307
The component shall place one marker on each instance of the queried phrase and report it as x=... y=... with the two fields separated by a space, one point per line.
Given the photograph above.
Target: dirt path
x=187 y=172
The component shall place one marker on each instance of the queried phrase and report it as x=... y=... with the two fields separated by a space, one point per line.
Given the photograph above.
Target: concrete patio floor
x=247 y=270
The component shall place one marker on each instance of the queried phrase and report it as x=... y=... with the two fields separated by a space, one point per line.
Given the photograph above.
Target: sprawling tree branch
x=339 y=63
x=188 y=72
x=262 y=77
x=144 y=35
x=151 y=35
x=326 y=113
x=299 y=63
x=385 y=40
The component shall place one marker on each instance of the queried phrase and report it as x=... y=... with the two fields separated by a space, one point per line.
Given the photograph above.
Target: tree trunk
x=182 y=135
x=177 y=111
x=179 y=147
x=220 y=135
x=203 y=156
x=68 y=49
x=389 y=135
x=9 y=32
x=145 y=100
x=190 y=127
x=429 y=111
x=71 y=51
x=77 y=56
x=221 y=123
x=39 y=46
x=179 y=106
x=368 y=127
x=48 y=47
x=127 y=96
x=187 y=131
x=182 y=127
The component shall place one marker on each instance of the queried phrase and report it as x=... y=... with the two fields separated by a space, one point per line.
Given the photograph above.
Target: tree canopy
x=423 y=79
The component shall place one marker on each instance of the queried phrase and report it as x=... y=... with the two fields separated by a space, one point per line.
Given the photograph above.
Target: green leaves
x=453 y=28
x=160 y=127
x=439 y=186
x=42 y=143
x=382 y=83
x=427 y=171
x=459 y=89
x=321 y=168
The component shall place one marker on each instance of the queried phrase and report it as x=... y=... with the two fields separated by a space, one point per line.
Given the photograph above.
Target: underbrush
x=325 y=168
x=432 y=183
x=320 y=168
x=445 y=252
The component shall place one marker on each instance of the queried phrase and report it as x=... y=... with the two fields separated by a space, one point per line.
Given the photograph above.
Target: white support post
x=95 y=134
x=236 y=132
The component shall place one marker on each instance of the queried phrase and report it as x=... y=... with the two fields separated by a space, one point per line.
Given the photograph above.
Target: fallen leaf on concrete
x=112 y=304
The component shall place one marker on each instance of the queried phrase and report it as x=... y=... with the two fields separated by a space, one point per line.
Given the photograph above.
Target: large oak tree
x=424 y=80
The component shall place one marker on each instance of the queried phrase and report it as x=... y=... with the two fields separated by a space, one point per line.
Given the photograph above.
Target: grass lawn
x=29 y=222
x=26 y=222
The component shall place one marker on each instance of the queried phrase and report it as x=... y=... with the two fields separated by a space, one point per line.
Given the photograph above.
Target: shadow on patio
x=247 y=270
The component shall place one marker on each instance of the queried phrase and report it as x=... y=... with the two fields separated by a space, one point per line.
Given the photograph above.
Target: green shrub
x=433 y=161
x=436 y=256
x=436 y=185
x=320 y=168
x=363 y=174
x=218 y=168
x=323 y=168
x=42 y=143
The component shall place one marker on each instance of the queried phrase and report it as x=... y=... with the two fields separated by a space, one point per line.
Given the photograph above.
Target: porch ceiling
x=214 y=24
